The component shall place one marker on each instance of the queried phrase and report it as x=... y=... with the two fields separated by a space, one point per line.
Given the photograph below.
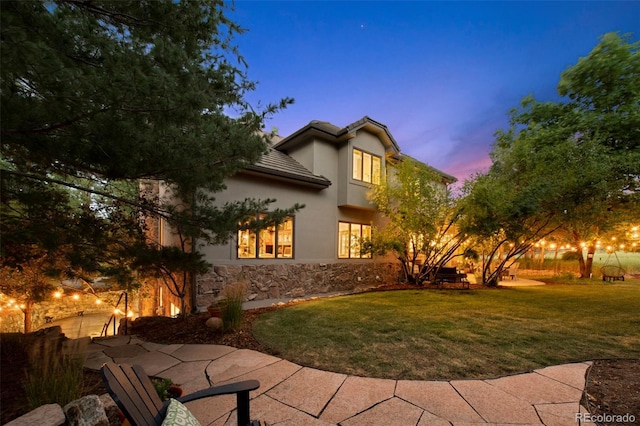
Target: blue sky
x=441 y=75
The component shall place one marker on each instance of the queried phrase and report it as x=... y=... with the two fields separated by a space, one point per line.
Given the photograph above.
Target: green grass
x=432 y=334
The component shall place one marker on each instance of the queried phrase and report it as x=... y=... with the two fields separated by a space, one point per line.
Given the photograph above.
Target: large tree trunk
x=28 y=315
x=586 y=265
x=589 y=263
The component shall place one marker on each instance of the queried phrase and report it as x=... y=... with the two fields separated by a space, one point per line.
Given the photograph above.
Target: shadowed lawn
x=432 y=334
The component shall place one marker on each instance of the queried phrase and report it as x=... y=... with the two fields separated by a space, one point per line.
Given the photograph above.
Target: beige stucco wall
x=315 y=226
x=315 y=267
x=353 y=192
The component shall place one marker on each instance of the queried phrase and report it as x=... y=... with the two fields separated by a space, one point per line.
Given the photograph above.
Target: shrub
x=162 y=387
x=231 y=304
x=55 y=372
x=564 y=277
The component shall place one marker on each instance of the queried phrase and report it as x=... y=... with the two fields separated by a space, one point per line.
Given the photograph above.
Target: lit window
x=246 y=244
x=357 y=164
x=271 y=242
x=366 y=167
x=267 y=242
x=350 y=236
x=376 y=169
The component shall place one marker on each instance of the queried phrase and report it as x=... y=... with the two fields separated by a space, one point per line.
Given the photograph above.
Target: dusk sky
x=441 y=76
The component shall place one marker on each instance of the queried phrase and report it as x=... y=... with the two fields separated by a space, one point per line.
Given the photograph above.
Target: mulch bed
x=613 y=388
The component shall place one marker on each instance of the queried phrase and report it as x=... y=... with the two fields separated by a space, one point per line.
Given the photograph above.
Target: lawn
x=451 y=334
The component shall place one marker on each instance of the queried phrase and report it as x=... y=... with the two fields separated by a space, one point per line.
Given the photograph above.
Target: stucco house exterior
x=329 y=169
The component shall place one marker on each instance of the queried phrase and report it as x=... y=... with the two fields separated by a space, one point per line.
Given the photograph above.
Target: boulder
x=121 y=326
x=214 y=323
x=45 y=415
x=111 y=409
x=86 y=411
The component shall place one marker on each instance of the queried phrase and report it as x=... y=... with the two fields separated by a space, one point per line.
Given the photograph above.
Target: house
x=329 y=169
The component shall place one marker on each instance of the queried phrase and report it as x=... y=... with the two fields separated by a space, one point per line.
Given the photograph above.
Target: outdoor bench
x=451 y=275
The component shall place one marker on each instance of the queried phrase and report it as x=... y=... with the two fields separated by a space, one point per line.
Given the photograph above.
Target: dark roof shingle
x=279 y=164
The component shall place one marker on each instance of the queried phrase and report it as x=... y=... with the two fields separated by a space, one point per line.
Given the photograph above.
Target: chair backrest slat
x=134 y=393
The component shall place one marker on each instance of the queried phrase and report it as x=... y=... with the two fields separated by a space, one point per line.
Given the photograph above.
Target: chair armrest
x=237 y=387
x=240 y=389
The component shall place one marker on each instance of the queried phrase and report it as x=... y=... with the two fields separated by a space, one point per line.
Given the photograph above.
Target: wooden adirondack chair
x=133 y=392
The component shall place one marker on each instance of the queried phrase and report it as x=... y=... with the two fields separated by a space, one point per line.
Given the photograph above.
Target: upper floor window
x=366 y=167
x=269 y=243
x=350 y=236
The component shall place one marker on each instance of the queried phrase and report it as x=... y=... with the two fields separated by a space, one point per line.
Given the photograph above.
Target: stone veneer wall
x=295 y=280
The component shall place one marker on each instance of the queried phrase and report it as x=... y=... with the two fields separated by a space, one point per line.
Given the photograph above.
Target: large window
x=269 y=243
x=366 y=167
x=350 y=236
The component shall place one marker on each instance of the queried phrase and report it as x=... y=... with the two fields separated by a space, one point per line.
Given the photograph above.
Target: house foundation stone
x=294 y=280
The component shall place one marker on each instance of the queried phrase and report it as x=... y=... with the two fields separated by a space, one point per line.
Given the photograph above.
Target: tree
x=419 y=219
x=96 y=95
x=29 y=280
x=587 y=145
x=506 y=210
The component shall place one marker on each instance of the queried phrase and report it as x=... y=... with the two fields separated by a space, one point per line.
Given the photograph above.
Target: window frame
x=280 y=247
x=353 y=246
x=364 y=168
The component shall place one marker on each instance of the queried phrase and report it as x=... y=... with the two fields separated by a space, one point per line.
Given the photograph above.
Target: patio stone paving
x=294 y=395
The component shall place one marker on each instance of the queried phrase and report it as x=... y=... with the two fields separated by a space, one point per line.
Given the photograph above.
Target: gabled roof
x=374 y=127
x=279 y=165
x=335 y=134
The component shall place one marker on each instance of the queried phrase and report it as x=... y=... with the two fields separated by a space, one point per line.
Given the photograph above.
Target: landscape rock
x=214 y=323
x=86 y=411
x=45 y=415
x=121 y=326
x=110 y=409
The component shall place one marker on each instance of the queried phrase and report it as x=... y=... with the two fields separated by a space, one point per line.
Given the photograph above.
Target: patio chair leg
x=243 y=408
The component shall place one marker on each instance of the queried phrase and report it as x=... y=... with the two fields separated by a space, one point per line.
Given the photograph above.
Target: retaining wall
x=65 y=307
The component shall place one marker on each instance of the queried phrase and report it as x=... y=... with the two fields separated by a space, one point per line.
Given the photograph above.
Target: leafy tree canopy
x=420 y=214
x=96 y=95
x=568 y=163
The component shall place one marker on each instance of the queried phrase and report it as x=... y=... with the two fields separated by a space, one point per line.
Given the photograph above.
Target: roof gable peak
x=337 y=134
